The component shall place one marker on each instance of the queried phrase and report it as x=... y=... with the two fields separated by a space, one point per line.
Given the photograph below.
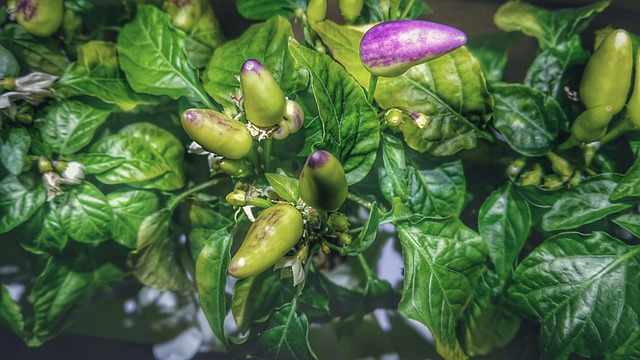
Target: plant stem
x=213 y=182
x=407 y=9
x=373 y=82
x=267 y=154
x=362 y=201
x=365 y=267
x=619 y=129
x=393 y=11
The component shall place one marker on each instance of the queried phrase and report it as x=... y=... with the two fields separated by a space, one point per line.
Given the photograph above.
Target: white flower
x=291 y=266
x=32 y=88
x=52 y=182
x=74 y=173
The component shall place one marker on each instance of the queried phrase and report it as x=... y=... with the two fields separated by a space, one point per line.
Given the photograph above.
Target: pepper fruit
x=350 y=9
x=317 y=10
x=217 y=133
x=323 y=183
x=39 y=17
x=607 y=77
x=591 y=124
x=394 y=117
x=282 y=132
x=233 y=167
x=276 y=230
x=393 y=47
x=339 y=222
x=633 y=106
x=264 y=101
x=294 y=116
x=532 y=177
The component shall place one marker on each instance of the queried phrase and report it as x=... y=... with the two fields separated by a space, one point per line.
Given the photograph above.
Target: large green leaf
x=266 y=9
x=504 y=222
x=168 y=147
x=68 y=125
x=351 y=130
x=152 y=57
x=205 y=36
x=10 y=314
x=550 y=27
x=84 y=213
x=488 y=323
x=43 y=233
x=438 y=189
x=393 y=178
x=66 y=286
x=14 y=144
x=142 y=161
x=130 y=208
x=492 y=51
x=284 y=335
x=156 y=261
x=630 y=222
x=265 y=42
x=583 y=291
x=34 y=53
x=253 y=298
x=529 y=120
x=211 y=278
x=629 y=185
x=584 y=203
x=556 y=68
x=451 y=90
x=97 y=73
x=443 y=261
x=20 y=197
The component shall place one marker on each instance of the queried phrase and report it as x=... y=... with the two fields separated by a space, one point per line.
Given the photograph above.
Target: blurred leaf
x=20 y=197
x=14 y=145
x=10 y=314
x=33 y=53
x=266 y=9
x=492 y=51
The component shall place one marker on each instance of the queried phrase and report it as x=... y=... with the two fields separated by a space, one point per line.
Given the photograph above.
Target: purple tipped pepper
x=217 y=133
x=323 y=183
x=264 y=101
x=393 y=47
x=39 y=17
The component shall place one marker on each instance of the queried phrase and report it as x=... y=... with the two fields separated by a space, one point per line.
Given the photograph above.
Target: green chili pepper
x=317 y=10
x=607 y=77
x=276 y=230
x=217 y=133
x=322 y=183
x=591 y=124
x=264 y=101
x=350 y=9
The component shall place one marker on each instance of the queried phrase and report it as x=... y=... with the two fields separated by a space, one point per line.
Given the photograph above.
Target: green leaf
x=284 y=335
x=488 y=323
x=14 y=145
x=130 y=208
x=84 y=213
x=550 y=27
x=20 y=197
x=265 y=42
x=10 y=314
x=168 y=147
x=142 y=161
x=529 y=120
x=630 y=222
x=68 y=284
x=351 y=130
x=438 y=190
x=253 y=298
x=451 y=90
x=504 y=223
x=155 y=262
x=393 y=159
x=266 y=9
x=286 y=187
x=97 y=163
x=43 y=233
x=558 y=67
x=211 y=279
x=97 y=73
x=152 y=58
x=629 y=350
x=492 y=51
x=205 y=36
x=629 y=185
x=34 y=53
x=368 y=234
x=583 y=291
x=443 y=261
x=68 y=125
x=584 y=203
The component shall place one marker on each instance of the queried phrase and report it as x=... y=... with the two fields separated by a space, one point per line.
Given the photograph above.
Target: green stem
x=407 y=9
x=365 y=267
x=619 y=129
x=213 y=182
x=267 y=154
x=360 y=200
x=373 y=82
x=393 y=11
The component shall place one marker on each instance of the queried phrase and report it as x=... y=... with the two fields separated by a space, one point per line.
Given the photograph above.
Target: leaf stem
x=365 y=267
x=360 y=200
x=619 y=129
x=373 y=82
x=406 y=10
x=393 y=10
x=213 y=182
x=267 y=154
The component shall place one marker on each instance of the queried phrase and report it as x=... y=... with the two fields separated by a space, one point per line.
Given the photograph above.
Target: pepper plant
x=141 y=145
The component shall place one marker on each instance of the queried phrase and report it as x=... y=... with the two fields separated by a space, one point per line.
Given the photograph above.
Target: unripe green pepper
x=233 y=167
x=39 y=17
x=276 y=230
x=317 y=10
x=264 y=101
x=591 y=124
x=607 y=77
x=633 y=106
x=393 y=47
x=217 y=133
x=344 y=239
x=394 y=117
x=560 y=165
x=350 y=9
x=322 y=183
x=294 y=116
x=532 y=177
x=184 y=13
